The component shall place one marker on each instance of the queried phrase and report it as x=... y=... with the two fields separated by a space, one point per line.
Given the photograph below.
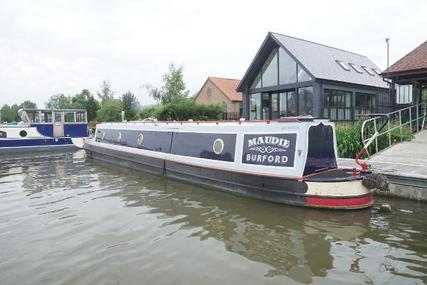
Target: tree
x=111 y=111
x=154 y=93
x=174 y=86
x=106 y=92
x=9 y=113
x=27 y=104
x=85 y=100
x=59 y=101
x=130 y=105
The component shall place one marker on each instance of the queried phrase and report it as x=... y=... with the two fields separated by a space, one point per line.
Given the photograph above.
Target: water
x=66 y=219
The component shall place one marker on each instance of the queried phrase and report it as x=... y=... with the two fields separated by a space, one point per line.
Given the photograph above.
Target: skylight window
x=343 y=65
x=369 y=71
x=356 y=68
x=376 y=71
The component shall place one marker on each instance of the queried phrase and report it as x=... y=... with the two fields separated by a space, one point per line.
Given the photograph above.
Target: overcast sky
x=50 y=47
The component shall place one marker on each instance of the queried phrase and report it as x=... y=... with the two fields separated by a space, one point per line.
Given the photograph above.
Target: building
x=409 y=76
x=217 y=90
x=296 y=77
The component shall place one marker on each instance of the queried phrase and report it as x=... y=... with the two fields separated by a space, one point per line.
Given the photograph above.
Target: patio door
x=58 y=124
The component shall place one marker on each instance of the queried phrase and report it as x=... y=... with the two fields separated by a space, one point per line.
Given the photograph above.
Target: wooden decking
x=405 y=165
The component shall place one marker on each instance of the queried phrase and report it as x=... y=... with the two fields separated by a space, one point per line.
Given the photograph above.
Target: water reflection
x=305 y=245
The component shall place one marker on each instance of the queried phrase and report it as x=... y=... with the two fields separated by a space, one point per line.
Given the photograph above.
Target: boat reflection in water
x=178 y=228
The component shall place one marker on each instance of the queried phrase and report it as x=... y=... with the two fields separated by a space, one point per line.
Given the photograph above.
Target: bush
x=151 y=112
x=111 y=111
x=184 y=110
x=349 y=139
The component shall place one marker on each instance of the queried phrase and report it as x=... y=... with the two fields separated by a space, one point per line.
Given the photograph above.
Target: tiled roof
x=321 y=61
x=228 y=87
x=415 y=60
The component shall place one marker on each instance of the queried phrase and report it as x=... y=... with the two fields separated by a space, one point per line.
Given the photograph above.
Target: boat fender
x=376 y=180
x=385 y=208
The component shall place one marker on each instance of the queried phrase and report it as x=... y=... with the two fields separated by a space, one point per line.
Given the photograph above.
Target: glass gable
x=287 y=68
x=302 y=75
x=269 y=70
x=257 y=81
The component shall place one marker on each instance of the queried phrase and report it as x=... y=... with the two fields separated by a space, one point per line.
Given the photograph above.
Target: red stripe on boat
x=353 y=202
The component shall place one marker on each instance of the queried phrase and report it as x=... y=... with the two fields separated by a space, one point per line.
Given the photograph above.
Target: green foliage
x=106 y=93
x=154 y=92
x=130 y=105
x=349 y=139
x=85 y=100
x=151 y=112
x=174 y=86
x=186 y=109
x=111 y=111
x=59 y=101
x=9 y=113
x=27 y=104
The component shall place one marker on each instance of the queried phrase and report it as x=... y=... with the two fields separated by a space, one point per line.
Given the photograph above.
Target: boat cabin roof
x=54 y=110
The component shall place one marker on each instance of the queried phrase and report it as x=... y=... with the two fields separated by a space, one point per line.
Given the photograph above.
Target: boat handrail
x=278 y=120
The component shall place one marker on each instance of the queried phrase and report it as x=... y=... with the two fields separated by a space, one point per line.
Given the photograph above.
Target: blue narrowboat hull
x=31 y=145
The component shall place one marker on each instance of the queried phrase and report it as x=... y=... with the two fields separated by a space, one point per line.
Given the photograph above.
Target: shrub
x=151 y=112
x=186 y=109
x=111 y=111
x=349 y=140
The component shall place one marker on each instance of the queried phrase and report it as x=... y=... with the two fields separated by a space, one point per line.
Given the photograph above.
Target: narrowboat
x=289 y=160
x=44 y=130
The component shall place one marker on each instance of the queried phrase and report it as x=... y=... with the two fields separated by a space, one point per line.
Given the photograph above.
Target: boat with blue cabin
x=289 y=160
x=44 y=130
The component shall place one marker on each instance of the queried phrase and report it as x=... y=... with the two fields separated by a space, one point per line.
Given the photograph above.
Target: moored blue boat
x=44 y=130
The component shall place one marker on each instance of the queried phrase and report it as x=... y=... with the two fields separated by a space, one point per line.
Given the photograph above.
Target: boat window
x=69 y=117
x=3 y=135
x=80 y=117
x=218 y=146
x=23 y=133
x=321 y=152
x=58 y=117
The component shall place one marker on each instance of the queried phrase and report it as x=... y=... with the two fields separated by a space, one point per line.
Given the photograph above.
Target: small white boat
x=290 y=160
x=44 y=130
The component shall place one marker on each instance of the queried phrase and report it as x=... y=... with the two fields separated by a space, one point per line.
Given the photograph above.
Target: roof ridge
x=318 y=44
x=223 y=78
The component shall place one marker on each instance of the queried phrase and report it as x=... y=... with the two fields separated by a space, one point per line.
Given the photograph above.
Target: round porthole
x=23 y=133
x=218 y=146
x=119 y=137
x=102 y=135
x=140 y=138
